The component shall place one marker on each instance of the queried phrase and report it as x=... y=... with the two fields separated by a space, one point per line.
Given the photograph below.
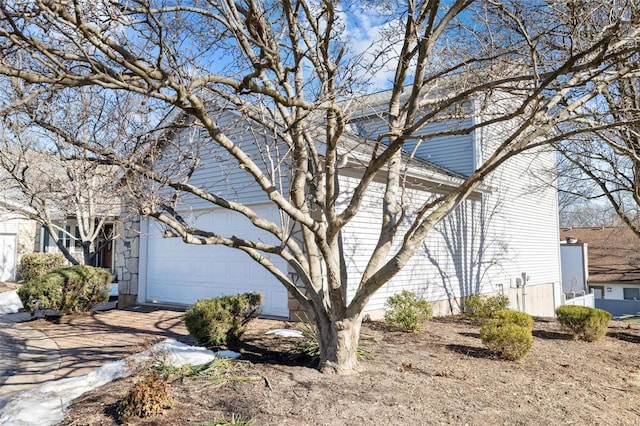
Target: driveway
x=27 y=358
x=86 y=342
x=40 y=351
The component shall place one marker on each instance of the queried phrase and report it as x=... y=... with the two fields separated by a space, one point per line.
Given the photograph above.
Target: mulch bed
x=440 y=376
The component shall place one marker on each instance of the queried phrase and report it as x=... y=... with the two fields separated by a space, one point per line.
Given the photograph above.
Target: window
x=64 y=236
x=631 y=293
x=77 y=239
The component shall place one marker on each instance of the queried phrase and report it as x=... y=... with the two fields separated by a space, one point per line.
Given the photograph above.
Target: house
x=503 y=239
x=20 y=235
x=613 y=265
x=74 y=196
x=613 y=255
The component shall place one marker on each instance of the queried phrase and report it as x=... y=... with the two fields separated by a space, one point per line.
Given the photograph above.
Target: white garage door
x=7 y=257
x=183 y=273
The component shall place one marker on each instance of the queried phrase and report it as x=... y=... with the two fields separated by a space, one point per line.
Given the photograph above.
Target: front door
x=106 y=254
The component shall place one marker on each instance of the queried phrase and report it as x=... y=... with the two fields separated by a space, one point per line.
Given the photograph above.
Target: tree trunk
x=338 y=341
x=86 y=253
x=65 y=252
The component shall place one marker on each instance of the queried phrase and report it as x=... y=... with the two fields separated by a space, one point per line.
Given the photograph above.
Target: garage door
x=183 y=273
x=7 y=257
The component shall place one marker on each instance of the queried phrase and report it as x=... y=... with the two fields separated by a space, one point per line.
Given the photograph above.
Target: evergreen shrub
x=508 y=334
x=221 y=320
x=78 y=288
x=481 y=308
x=35 y=265
x=582 y=322
x=407 y=311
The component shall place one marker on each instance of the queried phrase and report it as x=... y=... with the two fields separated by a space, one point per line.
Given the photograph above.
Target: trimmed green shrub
x=588 y=324
x=509 y=340
x=35 y=265
x=149 y=397
x=77 y=288
x=519 y=318
x=407 y=311
x=221 y=320
x=481 y=308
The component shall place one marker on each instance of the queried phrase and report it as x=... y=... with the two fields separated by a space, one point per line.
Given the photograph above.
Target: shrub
x=407 y=311
x=309 y=347
x=35 y=265
x=147 y=398
x=221 y=320
x=584 y=323
x=481 y=308
x=507 y=339
x=514 y=317
x=235 y=421
x=77 y=288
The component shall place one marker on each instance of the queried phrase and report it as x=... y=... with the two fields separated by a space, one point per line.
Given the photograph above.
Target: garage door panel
x=176 y=271
x=183 y=273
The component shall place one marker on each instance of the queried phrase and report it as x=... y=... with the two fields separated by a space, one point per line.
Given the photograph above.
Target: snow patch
x=285 y=332
x=45 y=404
x=10 y=302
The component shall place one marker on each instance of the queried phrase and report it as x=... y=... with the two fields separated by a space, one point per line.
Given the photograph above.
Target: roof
x=613 y=252
x=355 y=149
x=358 y=146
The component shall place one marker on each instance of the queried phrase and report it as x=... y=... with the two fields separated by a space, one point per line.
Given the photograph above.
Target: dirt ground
x=440 y=376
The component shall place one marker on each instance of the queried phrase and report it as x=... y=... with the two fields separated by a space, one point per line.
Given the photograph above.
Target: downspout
x=525 y=277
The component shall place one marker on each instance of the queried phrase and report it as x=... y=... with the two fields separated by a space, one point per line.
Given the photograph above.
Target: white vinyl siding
x=482 y=247
x=221 y=174
x=9 y=223
x=524 y=192
x=452 y=262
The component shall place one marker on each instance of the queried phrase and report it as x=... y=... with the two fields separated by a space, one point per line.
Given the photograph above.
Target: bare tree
x=601 y=170
x=53 y=181
x=289 y=67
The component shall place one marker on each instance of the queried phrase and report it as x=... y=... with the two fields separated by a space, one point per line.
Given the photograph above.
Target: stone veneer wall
x=127 y=261
x=296 y=311
x=27 y=240
x=28 y=237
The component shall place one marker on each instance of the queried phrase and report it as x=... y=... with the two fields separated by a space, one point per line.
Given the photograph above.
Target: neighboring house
x=20 y=235
x=613 y=264
x=504 y=238
x=105 y=244
x=38 y=187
